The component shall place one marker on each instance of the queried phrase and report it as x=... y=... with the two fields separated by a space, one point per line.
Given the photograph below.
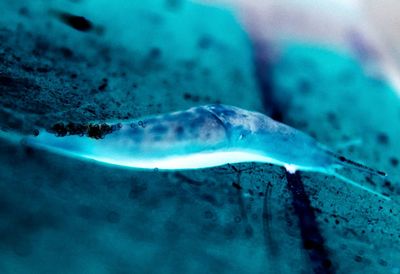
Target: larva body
x=201 y=137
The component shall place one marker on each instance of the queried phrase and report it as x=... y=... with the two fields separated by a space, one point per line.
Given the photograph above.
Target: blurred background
x=328 y=68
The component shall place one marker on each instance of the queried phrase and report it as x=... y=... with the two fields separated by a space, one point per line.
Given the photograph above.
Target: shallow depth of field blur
x=329 y=68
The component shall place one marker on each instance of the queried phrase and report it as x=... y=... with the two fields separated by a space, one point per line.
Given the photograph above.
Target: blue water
x=62 y=215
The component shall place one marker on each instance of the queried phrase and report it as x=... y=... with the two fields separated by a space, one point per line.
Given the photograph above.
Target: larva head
x=238 y=122
x=284 y=145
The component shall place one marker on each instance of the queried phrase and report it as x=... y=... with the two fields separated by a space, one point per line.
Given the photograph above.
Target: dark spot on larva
x=136 y=130
x=382 y=138
x=116 y=127
x=201 y=112
x=35 y=132
x=184 y=117
x=157 y=137
x=59 y=129
x=98 y=131
x=76 y=22
x=170 y=117
x=76 y=129
x=151 y=121
x=179 y=130
x=160 y=129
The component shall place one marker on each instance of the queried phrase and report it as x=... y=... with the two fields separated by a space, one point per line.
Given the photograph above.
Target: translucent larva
x=201 y=137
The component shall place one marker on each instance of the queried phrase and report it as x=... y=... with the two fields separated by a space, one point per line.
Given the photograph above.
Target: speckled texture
x=61 y=215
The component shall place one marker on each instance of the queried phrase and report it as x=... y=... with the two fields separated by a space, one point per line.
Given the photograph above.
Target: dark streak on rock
x=270 y=243
x=312 y=238
x=186 y=179
x=313 y=241
x=263 y=74
x=237 y=186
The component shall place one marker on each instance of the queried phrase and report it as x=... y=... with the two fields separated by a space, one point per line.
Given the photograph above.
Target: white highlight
x=347 y=180
x=190 y=161
x=291 y=168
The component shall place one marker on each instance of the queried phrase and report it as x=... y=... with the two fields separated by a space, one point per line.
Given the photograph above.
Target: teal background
x=63 y=215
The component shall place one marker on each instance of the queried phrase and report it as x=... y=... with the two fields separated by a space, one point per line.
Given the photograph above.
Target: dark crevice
x=264 y=74
x=270 y=242
x=242 y=207
x=312 y=239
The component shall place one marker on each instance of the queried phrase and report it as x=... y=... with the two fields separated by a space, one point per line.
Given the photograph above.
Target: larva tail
x=353 y=183
x=344 y=162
